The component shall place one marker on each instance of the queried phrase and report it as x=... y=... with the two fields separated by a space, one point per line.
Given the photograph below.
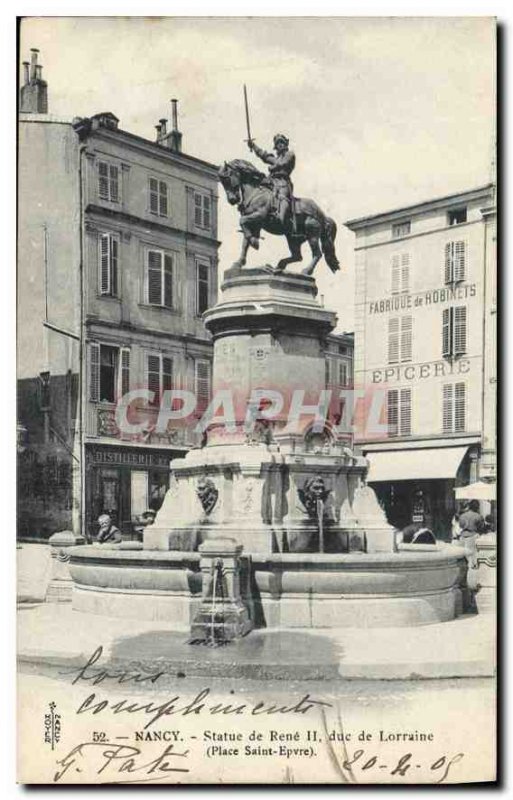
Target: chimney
x=34 y=92
x=175 y=137
x=33 y=62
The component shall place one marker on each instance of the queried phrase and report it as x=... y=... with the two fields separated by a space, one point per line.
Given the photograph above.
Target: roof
x=416 y=208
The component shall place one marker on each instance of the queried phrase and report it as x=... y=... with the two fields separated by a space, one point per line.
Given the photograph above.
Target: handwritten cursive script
x=111 y=760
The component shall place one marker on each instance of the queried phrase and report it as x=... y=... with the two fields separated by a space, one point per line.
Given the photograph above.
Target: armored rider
x=281 y=166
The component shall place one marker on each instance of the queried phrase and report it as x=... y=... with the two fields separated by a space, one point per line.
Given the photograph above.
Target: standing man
x=281 y=167
x=471 y=525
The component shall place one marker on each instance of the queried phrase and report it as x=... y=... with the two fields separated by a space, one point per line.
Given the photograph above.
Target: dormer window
x=457 y=216
x=401 y=229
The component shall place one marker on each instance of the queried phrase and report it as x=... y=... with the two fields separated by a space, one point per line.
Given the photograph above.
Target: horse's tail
x=328 y=244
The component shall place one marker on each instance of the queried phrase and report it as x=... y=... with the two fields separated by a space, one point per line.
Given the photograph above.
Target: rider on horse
x=281 y=166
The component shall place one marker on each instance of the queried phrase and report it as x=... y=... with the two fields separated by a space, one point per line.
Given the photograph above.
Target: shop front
x=416 y=486
x=124 y=482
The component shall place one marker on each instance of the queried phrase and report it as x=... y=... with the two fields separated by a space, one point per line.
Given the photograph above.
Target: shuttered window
x=159 y=372
x=454 y=407
x=202 y=210
x=202 y=384
x=159 y=279
x=399 y=412
x=454 y=331
x=400 y=278
x=109 y=372
x=203 y=286
x=109 y=257
x=108 y=182
x=400 y=339
x=455 y=262
x=158 y=197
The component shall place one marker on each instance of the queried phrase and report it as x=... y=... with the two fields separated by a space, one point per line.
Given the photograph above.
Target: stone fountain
x=270 y=523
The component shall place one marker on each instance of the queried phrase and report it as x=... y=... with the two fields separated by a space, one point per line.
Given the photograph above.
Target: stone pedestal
x=222 y=615
x=60 y=588
x=263 y=469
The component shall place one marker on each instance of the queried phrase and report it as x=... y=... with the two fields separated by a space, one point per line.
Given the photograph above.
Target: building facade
x=117 y=263
x=425 y=348
x=340 y=376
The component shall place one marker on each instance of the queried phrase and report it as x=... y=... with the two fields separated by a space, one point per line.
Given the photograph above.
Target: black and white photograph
x=256 y=400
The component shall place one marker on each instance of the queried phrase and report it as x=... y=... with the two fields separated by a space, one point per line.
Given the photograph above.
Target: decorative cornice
x=148 y=224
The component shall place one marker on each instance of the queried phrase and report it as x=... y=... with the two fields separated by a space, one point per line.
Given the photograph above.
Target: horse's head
x=231 y=181
x=236 y=173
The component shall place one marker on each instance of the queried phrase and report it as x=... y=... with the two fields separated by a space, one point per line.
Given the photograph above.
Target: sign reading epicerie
x=430 y=369
x=405 y=302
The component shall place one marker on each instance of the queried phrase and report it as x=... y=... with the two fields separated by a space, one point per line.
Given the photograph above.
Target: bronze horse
x=252 y=192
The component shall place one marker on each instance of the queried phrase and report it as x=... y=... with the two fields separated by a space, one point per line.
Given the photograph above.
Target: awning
x=481 y=490
x=410 y=465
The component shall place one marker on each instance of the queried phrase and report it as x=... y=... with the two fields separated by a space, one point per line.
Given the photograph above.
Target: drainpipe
x=81 y=382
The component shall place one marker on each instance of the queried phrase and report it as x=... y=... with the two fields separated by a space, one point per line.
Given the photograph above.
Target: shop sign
x=407 y=302
x=113 y=456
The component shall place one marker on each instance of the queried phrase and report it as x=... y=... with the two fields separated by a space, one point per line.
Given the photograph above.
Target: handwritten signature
x=112 y=760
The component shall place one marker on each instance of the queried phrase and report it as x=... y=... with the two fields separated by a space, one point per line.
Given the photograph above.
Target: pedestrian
x=471 y=523
x=108 y=533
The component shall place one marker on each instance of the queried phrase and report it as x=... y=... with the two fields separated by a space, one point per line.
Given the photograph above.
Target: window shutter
x=405 y=412
x=393 y=340
x=447 y=414
x=203 y=288
x=405 y=273
x=167 y=373
x=460 y=330
x=103 y=180
x=168 y=281
x=105 y=263
x=406 y=338
x=202 y=381
x=114 y=183
x=154 y=196
x=395 y=274
x=197 y=210
x=392 y=412
x=163 y=199
x=446 y=331
x=114 y=246
x=125 y=371
x=448 y=277
x=459 y=407
x=206 y=211
x=154 y=277
x=153 y=372
x=94 y=372
x=459 y=261
x=343 y=373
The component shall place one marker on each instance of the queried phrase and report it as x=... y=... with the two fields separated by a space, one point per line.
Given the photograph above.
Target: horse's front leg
x=250 y=225
x=313 y=241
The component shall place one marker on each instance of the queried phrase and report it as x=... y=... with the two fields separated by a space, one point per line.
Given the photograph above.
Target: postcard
x=257 y=380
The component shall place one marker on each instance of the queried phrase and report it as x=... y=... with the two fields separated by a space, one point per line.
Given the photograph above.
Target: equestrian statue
x=267 y=202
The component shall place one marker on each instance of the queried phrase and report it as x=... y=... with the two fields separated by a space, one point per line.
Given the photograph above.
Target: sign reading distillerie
x=404 y=302
x=412 y=372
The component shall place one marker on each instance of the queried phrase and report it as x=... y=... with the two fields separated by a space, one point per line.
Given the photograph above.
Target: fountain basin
x=417 y=585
